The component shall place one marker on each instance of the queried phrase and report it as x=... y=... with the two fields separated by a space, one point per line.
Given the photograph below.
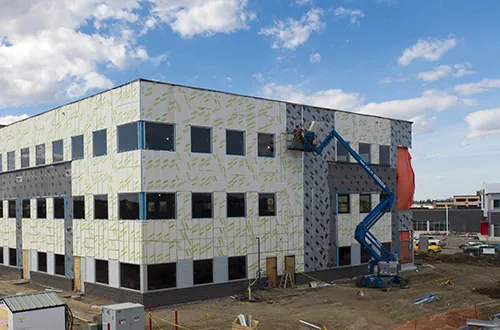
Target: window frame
x=348 y=203
x=339 y=146
x=157 y=203
x=137 y=199
x=9 y=208
x=25 y=155
x=26 y=206
x=261 y=206
x=231 y=194
x=77 y=139
x=369 y=146
x=243 y=142
x=54 y=143
x=38 y=206
x=55 y=216
x=497 y=202
x=9 y=159
x=384 y=147
x=151 y=124
x=40 y=149
x=273 y=140
x=193 y=194
x=78 y=199
x=96 y=198
x=205 y=128
x=124 y=127
x=361 y=209
x=95 y=145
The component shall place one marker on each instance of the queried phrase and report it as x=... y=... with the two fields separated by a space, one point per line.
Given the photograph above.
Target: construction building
x=159 y=193
x=491 y=210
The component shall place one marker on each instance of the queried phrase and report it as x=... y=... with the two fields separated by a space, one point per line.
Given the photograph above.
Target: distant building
x=491 y=207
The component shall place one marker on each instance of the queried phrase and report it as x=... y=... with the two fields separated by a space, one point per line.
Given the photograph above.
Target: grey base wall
x=53 y=281
x=10 y=272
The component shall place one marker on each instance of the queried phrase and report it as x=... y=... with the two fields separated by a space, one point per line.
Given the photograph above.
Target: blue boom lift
x=383 y=265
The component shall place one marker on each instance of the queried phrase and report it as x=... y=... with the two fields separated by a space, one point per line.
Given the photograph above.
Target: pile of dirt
x=448 y=320
x=492 y=292
x=460 y=258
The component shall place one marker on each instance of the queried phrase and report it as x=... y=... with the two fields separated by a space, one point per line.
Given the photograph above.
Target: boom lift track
x=383 y=265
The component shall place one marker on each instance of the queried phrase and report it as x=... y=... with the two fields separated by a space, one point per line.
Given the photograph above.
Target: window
x=41 y=208
x=11 y=160
x=344 y=257
x=25 y=157
x=265 y=145
x=201 y=139
x=160 y=206
x=78 y=207
x=420 y=225
x=26 y=209
x=202 y=271
x=365 y=203
x=162 y=276
x=100 y=143
x=1 y=163
x=235 y=143
x=57 y=151
x=12 y=257
x=384 y=155
x=237 y=268
x=40 y=154
x=128 y=137
x=100 y=206
x=101 y=271
x=130 y=276
x=60 y=269
x=1 y=210
x=77 y=149
x=343 y=204
x=59 y=208
x=342 y=153
x=236 y=205
x=267 y=205
x=496 y=203
x=129 y=206
x=365 y=152
x=365 y=255
x=202 y=205
x=12 y=209
x=160 y=136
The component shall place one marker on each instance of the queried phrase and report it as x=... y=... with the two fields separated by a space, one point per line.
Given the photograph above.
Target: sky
x=434 y=62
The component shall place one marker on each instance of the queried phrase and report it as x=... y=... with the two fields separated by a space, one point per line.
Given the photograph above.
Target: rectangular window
x=41 y=208
x=59 y=208
x=365 y=203
x=25 y=157
x=1 y=255
x=26 y=209
x=100 y=206
x=101 y=271
x=365 y=255
x=60 y=269
x=130 y=276
x=57 y=151
x=12 y=257
x=236 y=205
x=12 y=209
x=203 y=271
x=267 y=205
x=237 y=268
x=1 y=210
x=162 y=276
x=160 y=206
x=40 y=154
x=265 y=146
x=496 y=203
x=384 y=155
x=344 y=256
x=343 y=204
x=342 y=152
x=159 y=136
x=79 y=207
x=235 y=143
x=201 y=139
x=128 y=137
x=99 y=143
x=11 y=160
x=77 y=147
x=202 y=205
x=129 y=206
x=365 y=152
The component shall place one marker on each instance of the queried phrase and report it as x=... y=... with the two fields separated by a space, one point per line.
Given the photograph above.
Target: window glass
x=57 y=151
x=365 y=203
x=77 y=147
x=203 y=271
x=78 y=207
x=159 y=136
x=267 y=205
x=100 y=143
x=42 y=262
x=202 y=205
x=236 y=205
x=162 y=276
x=235 y=143
x=101 y=271
x=384 y=155
x=160 y=206
x=237 y=268
x=26 y=208
x=365 y=152
x=25 y=157
x=496 y=203
x=100 y=206
x=11 y=160
x=265 y=145
x=12 y=209
x=343 y=204
x=342 y=153
x=344 y=256
x=128 y=137
x=1 y=163
x=59 y=208
x=1 y=211
x=129 y=206
x=41 y=208
x=130 y=276
x=201 y=139
x=40 y=154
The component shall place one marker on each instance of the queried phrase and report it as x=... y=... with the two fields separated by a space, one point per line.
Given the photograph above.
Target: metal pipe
x=259 y=270
x=176 y=319
x=309 y=324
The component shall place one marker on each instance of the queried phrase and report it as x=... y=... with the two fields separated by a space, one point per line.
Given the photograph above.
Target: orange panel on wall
x=406 y=179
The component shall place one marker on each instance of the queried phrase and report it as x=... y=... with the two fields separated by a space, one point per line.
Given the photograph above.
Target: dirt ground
x=475 y=282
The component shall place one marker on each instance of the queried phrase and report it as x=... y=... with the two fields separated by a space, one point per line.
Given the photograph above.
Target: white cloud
x=332 y=98
x=483 y=123
x=439 y=177
x=202 y=17
x=291 y=33
x=9 y=119
x=390 y=80
x=462 y=70
x=315 y=58
x=303 y=2
x=430 y=50
x=258 y=76
x=353 y=14
x=436 y=74
x=422 y=124
x=477 y=87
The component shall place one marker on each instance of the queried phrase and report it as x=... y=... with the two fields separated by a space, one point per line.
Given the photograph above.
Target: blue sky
x=429 y=61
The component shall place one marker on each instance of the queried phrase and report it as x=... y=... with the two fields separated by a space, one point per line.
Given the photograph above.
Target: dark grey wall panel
x=458 y=220
x=401 y=133
x=42 y=181
x=352 y=178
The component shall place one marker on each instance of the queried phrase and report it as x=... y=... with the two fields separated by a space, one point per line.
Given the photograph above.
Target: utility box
x=125 y=316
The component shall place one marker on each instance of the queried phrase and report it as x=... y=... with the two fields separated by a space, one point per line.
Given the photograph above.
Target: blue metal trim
x=143 y=135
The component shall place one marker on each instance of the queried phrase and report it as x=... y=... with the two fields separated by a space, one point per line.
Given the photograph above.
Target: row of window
x=365 y=203
x=161 y=136
x=157 y=206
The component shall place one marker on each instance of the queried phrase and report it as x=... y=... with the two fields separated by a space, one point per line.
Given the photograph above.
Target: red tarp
x=406 y=179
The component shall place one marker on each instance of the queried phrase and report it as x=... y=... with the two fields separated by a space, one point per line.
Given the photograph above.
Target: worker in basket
x=298 y=135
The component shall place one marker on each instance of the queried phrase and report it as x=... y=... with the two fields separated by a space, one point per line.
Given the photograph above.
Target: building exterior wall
x=461 y=221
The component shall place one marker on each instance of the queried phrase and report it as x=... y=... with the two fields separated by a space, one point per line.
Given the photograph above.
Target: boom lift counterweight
x=383 y=265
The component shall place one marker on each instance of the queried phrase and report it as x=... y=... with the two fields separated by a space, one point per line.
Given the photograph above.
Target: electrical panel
x=125 y=316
